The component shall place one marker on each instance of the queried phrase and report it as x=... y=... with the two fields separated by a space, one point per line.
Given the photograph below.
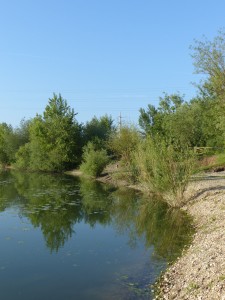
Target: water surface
x=68 y=238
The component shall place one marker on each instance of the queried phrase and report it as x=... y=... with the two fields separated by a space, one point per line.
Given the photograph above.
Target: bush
x=94 y=161
x=164 y=168
x=123 y=143
x=23 y=157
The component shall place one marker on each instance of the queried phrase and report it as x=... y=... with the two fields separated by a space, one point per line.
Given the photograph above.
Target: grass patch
x=222 y=278
x=208 y=163
x=193 y=286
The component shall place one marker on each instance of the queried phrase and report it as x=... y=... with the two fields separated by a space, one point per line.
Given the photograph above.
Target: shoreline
x=200 y=271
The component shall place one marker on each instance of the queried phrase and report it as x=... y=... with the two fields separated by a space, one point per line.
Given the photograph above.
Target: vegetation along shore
x=200 y=271
x=163 y=155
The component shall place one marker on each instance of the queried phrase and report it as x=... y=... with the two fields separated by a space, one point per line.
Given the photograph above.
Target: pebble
x=200 y=273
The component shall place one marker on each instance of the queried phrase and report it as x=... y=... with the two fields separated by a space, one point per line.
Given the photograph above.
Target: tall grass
x=164 y=168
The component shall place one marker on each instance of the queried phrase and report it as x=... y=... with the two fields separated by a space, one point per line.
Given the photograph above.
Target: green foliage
x=94 y=161
x=23 y=157
x=10 y=141
x=152 y=120
x=193 y=124
x=21 y=133
x=123 y=143
x=209 y=59
x=54 y=139
x=3 y=154
x=168 y=120
x=7 y=144
x=164 y=168
x=98 y=130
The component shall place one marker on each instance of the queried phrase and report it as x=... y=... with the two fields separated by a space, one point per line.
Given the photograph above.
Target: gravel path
x=200 y=272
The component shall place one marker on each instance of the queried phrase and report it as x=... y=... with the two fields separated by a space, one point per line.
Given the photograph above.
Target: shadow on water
x=56 y=203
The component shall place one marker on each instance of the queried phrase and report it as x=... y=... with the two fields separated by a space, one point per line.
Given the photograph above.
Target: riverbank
x=200 y=272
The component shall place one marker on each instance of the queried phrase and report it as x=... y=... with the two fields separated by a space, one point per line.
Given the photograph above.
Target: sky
x=104 y=56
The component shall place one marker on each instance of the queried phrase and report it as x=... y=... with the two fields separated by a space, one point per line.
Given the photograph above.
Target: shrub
x=164 y=168
x=123 y=143
x=23 y=157
x=94 y=161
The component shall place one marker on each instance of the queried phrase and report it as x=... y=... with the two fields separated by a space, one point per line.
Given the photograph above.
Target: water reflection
x=57 y=203
x=168 y=230
x=51 y=203
x=96 y=203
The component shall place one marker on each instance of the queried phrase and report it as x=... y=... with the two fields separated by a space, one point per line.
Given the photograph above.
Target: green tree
x=192 y=124
x=152 y=120
x=23 y=157
x=209 y=60
x=7 y=145
x=4 y=159
x=205 y=116
x=98 y=130
x=10 y=141
x=21 y=132
x=123 y=142
x=54 y=139
x=185 y=125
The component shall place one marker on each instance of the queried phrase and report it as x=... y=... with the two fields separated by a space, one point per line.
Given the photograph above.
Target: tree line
x=159 y=145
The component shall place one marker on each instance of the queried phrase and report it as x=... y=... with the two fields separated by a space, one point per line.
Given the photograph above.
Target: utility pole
x=120 y=121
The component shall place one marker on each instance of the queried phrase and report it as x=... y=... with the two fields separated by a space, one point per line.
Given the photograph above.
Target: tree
x=209 y=59
x=54 y=138
x=5 y=131
x=10 y=141
x=150 y=120
x=153 y=120
x=192 y=124
x=22 y=132
x=98 y=130
x=124 y=142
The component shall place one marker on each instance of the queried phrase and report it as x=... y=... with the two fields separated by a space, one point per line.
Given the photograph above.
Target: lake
x=71 y=238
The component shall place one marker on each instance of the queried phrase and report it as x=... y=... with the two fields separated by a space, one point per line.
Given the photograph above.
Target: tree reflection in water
x=56 y=203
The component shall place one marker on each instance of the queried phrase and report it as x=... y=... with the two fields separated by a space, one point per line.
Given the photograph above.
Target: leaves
x=54 y=139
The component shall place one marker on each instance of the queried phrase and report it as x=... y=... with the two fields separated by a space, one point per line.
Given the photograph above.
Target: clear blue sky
x=103 y=56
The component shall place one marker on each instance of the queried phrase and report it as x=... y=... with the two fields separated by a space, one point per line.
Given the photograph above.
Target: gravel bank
x=200 y=272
